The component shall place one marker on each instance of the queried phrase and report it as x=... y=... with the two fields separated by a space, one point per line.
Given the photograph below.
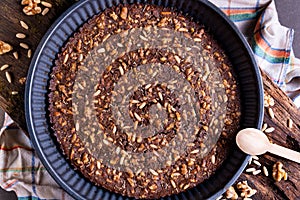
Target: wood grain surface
x=284 y=109
x=10 y=15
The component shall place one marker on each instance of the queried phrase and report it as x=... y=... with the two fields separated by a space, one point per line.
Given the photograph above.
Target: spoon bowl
x=254 y=142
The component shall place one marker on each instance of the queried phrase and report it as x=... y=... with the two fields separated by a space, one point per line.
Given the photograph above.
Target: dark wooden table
x=10 y=15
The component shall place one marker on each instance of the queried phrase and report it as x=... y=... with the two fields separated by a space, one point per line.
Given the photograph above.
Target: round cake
x=143 y=101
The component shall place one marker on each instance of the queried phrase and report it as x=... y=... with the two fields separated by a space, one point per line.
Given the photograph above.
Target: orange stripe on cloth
x=238 y=11
x=279 y=53
x=15 y=147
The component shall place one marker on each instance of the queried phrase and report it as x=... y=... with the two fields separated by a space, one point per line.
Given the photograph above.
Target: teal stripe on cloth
x=243 y=17
x=271 y=59
x=28 y=198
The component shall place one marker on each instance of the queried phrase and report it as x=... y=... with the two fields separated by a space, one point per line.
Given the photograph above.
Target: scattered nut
x=278 y=172
x=32 y=7
x=27 y=2
x=265 y=170
x=264 y=127
x=250 y=170
x=231 y=193
x=8 y=77
x=271 y=113
x=4 y=67
x=32 y=10
x=213 y=159
x=245 y=190
x=270 y=130
x=268 y=100
x=29 y=53
x=20 y=35
x=45 y=11
x=24 y=45
x=257 y=163
x=5 y=47
x=22 y=80
x=24 y=25
x=16 y=55
x=46 y=4
x=256 y=172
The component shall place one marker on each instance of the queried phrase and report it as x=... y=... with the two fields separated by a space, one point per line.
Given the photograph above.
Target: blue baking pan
x=36 y=106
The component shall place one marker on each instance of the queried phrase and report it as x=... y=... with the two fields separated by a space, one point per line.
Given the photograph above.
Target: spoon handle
x=284 y=152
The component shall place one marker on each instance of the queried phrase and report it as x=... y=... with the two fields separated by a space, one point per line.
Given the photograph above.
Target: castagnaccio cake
x=143 y=101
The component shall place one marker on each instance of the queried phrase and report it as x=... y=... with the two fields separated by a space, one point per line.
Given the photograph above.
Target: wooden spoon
x=254 y=142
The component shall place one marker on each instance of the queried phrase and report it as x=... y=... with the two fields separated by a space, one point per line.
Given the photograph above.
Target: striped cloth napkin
x=270 y=41
x=20 y=168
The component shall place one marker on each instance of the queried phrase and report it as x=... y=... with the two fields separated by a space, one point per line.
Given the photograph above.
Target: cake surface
x=144 y=102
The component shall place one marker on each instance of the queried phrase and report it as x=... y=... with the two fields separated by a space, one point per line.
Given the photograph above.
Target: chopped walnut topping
x=245 y=190
x=4 y=47
x=278 y=172
x=268 y=100
x=231 y=193
x=31 y=7
x=124 y=13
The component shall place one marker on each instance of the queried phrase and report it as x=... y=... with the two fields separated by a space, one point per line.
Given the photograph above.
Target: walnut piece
x=27 y=2
x=32 y=7
x=245 y=190
x=4 y=47
x=268 y=100
x=231 y=193
x=278 y=172
x=22 y=80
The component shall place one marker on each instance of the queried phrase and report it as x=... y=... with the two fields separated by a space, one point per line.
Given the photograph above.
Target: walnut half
x=245 y=190
x=27 y=2
x=231 y=193
x=278 y=172
x=32 y=7
x=4 y=47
